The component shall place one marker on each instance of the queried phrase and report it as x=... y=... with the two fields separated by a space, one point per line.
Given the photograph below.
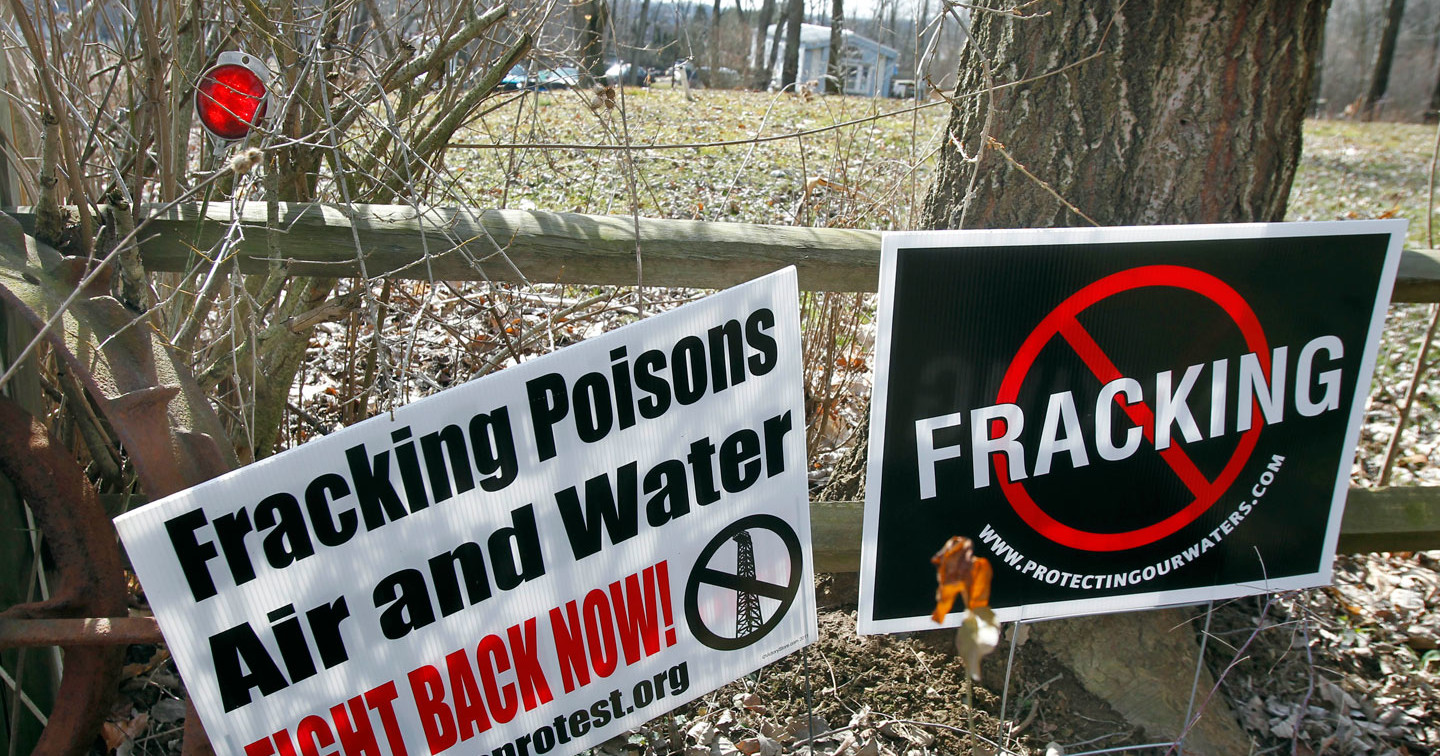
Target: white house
x=870 y=66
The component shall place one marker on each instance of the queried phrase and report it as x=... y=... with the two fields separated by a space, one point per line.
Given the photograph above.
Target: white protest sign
x=530 y=562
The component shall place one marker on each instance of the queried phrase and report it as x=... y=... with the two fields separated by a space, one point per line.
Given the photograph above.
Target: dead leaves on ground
x=866 y=734
x=148 y=716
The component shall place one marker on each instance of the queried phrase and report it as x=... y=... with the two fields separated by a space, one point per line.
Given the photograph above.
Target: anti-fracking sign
x=1118 y=418
x=530 y=562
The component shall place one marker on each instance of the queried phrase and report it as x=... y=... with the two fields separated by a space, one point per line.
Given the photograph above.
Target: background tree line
x=654 y=34
x=1357 y=55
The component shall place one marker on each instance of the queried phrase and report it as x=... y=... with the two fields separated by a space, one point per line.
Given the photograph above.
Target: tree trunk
x=188 y=59
x=794 y=19
x=1384 y=57
x=713 y=45
x=922 y=22
x=775 y=45
x=1191 y=112
x=761 y=73
x=638 y=36
x=1432 y=114
x=592 y=41
x=892 y=30
x=743 y=29
x=835 y=73
x=1317 y=77
x=1432 y=111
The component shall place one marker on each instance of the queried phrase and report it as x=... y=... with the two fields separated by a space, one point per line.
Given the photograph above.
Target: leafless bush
x=364 y=106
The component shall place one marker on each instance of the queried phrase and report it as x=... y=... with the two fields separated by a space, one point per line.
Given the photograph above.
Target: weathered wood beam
x=1400 y=518
x=465 y=244
x=1376 y=519
x=1418 y=279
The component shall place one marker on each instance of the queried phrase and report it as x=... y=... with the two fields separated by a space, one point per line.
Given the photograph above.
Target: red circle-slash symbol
x=1063 y=322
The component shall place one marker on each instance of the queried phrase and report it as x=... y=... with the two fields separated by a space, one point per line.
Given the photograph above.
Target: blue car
x=557 y=78
x=517 y=78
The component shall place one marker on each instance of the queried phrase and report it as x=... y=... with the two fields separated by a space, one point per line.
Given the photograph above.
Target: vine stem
x=1393 y=448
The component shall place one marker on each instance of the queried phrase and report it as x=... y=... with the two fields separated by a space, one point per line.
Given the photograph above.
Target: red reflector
x=230 y=100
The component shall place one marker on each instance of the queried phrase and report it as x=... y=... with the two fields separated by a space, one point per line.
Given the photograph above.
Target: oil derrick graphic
x=748 y=618
x=714 y=576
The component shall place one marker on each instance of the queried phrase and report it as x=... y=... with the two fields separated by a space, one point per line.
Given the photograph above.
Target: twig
x=1309 y=689
x=442 y=53
x=1040 y=182
x=1029 y=717
x=1234 y=661
x=332 y=309
x=1393 y=448
x=54 y=103
x=513 y=349
x=1000 y=750
x=1097 y=739
x=439 y=130
x=102 y=448
x=1430 y=192
x=814 y=737
x=314 y=422
x=24 y=697
x=360 y=393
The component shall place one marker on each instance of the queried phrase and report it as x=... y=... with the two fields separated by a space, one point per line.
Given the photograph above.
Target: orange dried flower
x=958 y=572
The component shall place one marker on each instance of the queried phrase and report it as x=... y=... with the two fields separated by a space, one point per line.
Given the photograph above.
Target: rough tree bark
x=1134 y=113
x=1384 y=58
x=1188 y=112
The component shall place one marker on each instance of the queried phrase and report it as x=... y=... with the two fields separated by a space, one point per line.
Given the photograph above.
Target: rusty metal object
x=88 y=631
x=194 y=742
x=168 y=429
x=170 y=435
x=80 y=538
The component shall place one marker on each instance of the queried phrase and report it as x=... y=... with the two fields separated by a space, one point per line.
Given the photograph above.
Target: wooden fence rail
x=459 y=244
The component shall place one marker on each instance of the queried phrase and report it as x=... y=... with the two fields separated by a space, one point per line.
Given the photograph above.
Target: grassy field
x=867 y=175
x=1365 y=170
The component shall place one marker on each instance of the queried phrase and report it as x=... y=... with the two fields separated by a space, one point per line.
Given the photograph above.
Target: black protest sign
x=1119 y=418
